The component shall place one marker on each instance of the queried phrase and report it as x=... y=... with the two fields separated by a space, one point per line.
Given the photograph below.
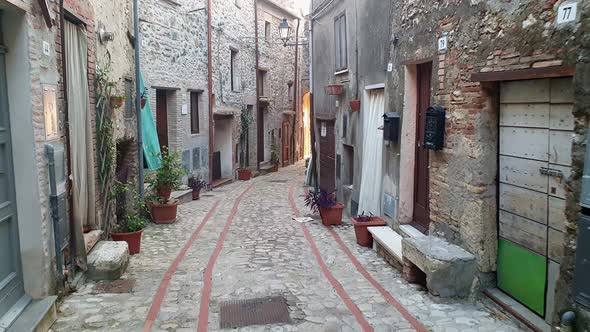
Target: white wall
x=223 y=143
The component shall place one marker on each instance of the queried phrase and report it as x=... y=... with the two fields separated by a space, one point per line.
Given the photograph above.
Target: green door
x=536 y=127
x=11 y=281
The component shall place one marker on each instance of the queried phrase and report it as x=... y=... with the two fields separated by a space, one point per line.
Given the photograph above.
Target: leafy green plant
x=130 y=216
x=274 y=152
x=246 y=121
x=170 y=172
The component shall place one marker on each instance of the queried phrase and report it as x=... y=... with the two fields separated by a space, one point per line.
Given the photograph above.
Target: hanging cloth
x=371 y=171
x=151 y=144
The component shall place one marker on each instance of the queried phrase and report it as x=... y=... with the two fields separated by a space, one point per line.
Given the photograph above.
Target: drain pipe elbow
x=568 y=319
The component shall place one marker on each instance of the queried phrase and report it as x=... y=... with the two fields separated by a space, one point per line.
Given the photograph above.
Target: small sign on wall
x=567 y=12
x=184 y=110
x=443 y=44
x=323 y=129
x=50 y=112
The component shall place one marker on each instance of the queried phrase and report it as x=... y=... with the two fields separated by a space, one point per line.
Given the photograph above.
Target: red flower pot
x=133 y=240
x=196 y=194
x=275 y=168
x=361 y=230
x=116 y=101
x=244 y=174
x=164 y=213
x=164 y=193
x=334 y=89
x=332 y=215
x=355 y=105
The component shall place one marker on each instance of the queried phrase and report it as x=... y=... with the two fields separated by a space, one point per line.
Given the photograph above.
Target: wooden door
x=536 y=129
x=421 y=177
x=286 y=143
x=216 y=165
x=260 y=134
x=162 y=118
x=11 y=279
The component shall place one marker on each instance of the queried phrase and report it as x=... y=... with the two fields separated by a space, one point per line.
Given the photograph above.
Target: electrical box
x=434 y=136
x=391 y=126
x=582 y=269
x=585 y=198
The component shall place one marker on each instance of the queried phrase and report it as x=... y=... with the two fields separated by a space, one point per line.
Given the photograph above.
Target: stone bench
x=108 y=260
x=449 y=269
x=388 y=244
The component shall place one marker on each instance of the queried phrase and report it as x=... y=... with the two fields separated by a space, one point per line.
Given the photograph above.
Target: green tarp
x=151 y=145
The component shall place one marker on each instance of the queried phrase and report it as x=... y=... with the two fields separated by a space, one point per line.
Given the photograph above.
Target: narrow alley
x=240 y=242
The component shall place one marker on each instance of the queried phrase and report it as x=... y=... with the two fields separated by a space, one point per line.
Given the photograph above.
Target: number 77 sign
x=567 y=12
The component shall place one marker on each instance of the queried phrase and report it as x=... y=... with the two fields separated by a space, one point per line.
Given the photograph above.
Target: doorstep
x=516 y=310
x=183 y=196
x=410 y=231
x=38 y=316
x=221 y=182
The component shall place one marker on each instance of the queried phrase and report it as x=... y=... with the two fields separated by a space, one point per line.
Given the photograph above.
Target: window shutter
x=337 y=43
x=343 y=46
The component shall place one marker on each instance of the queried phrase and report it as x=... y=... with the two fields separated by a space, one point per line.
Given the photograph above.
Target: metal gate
x=536 y=127
x=11 y=279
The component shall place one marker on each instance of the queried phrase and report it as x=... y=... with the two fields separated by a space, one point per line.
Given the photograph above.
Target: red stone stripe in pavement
x=208 y=277
x=335 y=284
x=161 y=292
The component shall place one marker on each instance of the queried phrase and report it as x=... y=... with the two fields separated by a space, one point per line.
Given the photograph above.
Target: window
x=235 y=77
x=290 y=90
x=340 y=42
x=262 y=83
x=194 y=112
x=267 y=32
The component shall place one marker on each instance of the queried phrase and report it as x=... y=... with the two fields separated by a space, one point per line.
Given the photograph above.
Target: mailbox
x=434 y=135
x=391 y=126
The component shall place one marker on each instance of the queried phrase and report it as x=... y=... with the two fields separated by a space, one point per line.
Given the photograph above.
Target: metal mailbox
x=391 y=126
x=434 y=135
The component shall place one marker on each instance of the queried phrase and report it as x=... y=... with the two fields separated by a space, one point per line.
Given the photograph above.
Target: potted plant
x=129 y=217
x=116 y=101
x=361 y=224
x=274 y=155
x=326 y=205
x=165 y=179
x=355 y=105
x=334 y=89
x=246 y=119
x=196 y=184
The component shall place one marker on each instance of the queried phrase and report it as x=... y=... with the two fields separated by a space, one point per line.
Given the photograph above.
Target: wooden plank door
x=286 y=143
x=421 y=177
x=216 y=165
x=11 y=279
x=162 y=118
x=536 y=128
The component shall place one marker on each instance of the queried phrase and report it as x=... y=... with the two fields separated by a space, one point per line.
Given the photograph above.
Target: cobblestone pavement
x=246 y=233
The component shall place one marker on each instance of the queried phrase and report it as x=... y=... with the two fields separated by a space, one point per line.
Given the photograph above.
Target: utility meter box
x=391 y=126
x=434 y=136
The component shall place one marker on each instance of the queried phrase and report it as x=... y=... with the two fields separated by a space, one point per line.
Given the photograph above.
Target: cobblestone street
x=240 y=242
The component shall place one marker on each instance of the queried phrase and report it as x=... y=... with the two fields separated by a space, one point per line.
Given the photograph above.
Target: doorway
x=162 y=118
x=286 y=142
x=421 y=215
x=305 y=105
x=11 y=278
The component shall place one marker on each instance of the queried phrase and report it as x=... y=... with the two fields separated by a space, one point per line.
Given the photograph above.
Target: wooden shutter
x=337 y=43
x=194 y=113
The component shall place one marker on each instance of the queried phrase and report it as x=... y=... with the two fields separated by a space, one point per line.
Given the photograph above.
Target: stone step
x=38 y=316
x=390 y=240
x=183 y=195
x=410 y=231
x=108 y=260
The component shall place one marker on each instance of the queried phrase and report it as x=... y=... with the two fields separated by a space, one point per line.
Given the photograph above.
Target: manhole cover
x=279 y=181
x=116 y=286
x=266 y=310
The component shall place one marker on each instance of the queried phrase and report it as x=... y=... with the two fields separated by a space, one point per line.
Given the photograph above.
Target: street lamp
x=284 y=31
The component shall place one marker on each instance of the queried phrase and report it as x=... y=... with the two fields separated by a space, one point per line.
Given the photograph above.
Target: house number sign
x=442 y=43
x=50 y=112
x=323 y=130
x=567 y=12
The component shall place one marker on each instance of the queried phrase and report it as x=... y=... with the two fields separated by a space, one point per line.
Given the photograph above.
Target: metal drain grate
x=261 y=311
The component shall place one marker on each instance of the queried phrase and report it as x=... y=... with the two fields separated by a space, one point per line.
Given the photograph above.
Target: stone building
x=173 y=63
x=49 y=134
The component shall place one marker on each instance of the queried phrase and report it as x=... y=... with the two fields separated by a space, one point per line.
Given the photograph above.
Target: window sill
x=341 y=72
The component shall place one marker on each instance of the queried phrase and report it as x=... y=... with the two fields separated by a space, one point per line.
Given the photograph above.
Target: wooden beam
x=524 y=74
x=45 y=12
x=418 y=61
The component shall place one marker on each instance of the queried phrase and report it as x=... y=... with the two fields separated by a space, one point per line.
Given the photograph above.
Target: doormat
x=261 y=311
x=120 y=286
x=278 y=181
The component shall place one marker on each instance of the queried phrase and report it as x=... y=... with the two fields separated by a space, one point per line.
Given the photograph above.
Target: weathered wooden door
x=162 y=118
x=286 y=143
x=216 y=165
x=421 y=189
x=536 y=128
x=11 y=280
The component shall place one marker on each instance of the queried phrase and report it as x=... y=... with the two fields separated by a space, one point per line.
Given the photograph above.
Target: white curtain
x=80 y=127
x=371 y=171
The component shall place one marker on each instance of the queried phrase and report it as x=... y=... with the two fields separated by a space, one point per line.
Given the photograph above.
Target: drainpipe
x=311 y=110
x=295 y=90
x=140 y=185
x=356 y=51
x=210 y=88
x=259 y=117
x=49 y=151
x=67 y=140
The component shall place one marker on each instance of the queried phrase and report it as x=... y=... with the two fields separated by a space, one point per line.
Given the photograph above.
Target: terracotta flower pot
x=164 y=193
x=133 y=240
x=244 y=174
x=332 y=215
x=355 y=105
x=116 y=101
x=164 y=213
x=361 y=230
x=196 y=194
x=275 y=168
x=334 y=89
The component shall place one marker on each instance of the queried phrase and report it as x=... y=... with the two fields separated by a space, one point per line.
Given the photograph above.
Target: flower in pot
x=355 y=105
x=246 y=119
x=361 y=224
x=166 y=179
x=196 y=184
x=326 y=205
x=116 y=101
x=274 y=155
x=129 y=217
x=334 y=89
